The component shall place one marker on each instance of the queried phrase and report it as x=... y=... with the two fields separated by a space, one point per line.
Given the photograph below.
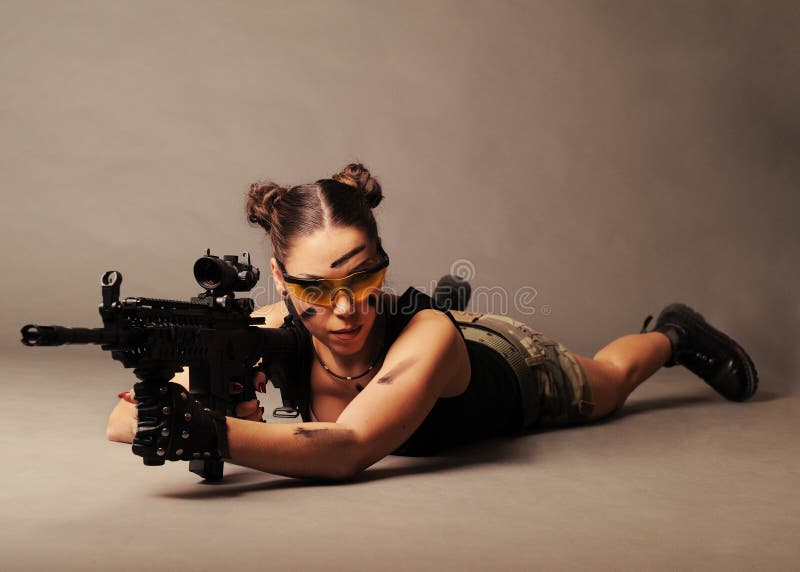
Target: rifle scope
x=226 y=274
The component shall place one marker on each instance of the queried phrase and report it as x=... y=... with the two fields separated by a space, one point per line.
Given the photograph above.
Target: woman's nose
x=342 y=302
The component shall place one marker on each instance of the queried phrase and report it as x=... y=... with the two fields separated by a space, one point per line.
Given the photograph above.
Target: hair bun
x=356 y=175
x=261 y=201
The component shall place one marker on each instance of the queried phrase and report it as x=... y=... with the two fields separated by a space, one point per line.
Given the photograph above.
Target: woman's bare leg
x=617 y=369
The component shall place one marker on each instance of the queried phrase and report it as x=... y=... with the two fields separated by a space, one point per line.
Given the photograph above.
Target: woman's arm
x=122 y=421
x=424 y=359
x=418 y=366
x=304 y=450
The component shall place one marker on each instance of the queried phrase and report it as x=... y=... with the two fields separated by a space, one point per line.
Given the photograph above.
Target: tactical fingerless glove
x=174 y=426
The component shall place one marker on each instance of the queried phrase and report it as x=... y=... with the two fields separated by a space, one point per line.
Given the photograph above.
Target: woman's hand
x=123 y=421
x=250 y=410
x=128 y=396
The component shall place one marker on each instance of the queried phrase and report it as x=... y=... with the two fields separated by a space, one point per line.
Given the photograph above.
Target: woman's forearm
x=306 y=450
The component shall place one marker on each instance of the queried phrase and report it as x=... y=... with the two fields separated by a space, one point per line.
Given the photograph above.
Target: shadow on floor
x=644 y=405
x=669 y=402
x=488 y=451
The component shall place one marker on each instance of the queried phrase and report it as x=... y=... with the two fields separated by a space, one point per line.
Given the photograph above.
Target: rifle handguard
x=174 y=426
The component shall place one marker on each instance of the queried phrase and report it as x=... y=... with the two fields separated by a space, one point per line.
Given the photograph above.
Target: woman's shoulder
x=273 y=314
x=402 y=307
x=412 y=305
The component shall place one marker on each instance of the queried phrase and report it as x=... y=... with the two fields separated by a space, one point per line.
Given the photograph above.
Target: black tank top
x=489 y=407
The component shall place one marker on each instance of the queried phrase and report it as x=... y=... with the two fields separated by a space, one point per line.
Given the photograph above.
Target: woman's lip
x=350 y=331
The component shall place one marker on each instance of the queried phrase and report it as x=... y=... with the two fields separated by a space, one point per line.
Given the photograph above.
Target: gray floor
x=682 y=480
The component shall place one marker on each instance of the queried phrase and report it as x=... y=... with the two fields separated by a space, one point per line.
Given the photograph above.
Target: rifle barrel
x=36 y=335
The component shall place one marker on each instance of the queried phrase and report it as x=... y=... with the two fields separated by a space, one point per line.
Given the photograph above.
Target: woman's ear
x=277 y=277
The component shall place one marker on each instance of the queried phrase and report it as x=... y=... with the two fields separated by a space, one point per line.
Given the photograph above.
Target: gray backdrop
x=611 y=157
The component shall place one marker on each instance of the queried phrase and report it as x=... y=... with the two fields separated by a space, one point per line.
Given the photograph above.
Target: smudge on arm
x=389 y=377
x=308 y=433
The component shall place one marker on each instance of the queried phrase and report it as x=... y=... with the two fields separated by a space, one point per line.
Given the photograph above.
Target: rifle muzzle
x=35 y=335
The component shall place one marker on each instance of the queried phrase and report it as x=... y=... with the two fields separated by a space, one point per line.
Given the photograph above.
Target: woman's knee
x=607 y=385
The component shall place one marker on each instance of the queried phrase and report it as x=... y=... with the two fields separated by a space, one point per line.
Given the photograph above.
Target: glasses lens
x=363 y=286
x=360 y=286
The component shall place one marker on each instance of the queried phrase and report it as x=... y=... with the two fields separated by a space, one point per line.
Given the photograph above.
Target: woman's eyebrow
x=342 y=259
x=315 y=277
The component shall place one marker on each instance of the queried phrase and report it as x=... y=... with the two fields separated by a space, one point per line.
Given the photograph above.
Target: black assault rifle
x=212 y=334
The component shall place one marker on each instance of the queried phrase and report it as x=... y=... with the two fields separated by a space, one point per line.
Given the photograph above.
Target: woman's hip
x=554 y=388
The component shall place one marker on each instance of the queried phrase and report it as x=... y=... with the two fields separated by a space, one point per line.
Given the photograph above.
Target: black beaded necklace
x=359 y=387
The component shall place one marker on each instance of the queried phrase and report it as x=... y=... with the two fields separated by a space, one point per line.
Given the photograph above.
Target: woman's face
x=332 y=253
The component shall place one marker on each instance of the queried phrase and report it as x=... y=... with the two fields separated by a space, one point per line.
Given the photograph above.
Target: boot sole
x=686 y=313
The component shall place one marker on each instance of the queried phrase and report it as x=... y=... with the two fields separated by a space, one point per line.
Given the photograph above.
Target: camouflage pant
x=554 y=387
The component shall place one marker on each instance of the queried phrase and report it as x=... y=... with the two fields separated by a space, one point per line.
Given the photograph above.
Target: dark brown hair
x=286 y=212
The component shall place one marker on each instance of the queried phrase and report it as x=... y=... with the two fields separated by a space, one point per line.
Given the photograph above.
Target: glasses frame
x=310 y=282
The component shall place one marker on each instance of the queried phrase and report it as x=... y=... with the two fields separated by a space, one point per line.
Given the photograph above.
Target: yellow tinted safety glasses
x=323 y=291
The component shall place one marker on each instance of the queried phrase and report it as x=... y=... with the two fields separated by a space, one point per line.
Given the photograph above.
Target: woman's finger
x=128 y=396
x=257 y=415
x=260 y=382
x=247 y=408
x=250 y=410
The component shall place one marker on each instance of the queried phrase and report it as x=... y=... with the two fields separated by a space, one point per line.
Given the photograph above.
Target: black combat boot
x=706 y=352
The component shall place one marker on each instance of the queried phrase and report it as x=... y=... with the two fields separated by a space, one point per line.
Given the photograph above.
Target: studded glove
x=174 y=426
